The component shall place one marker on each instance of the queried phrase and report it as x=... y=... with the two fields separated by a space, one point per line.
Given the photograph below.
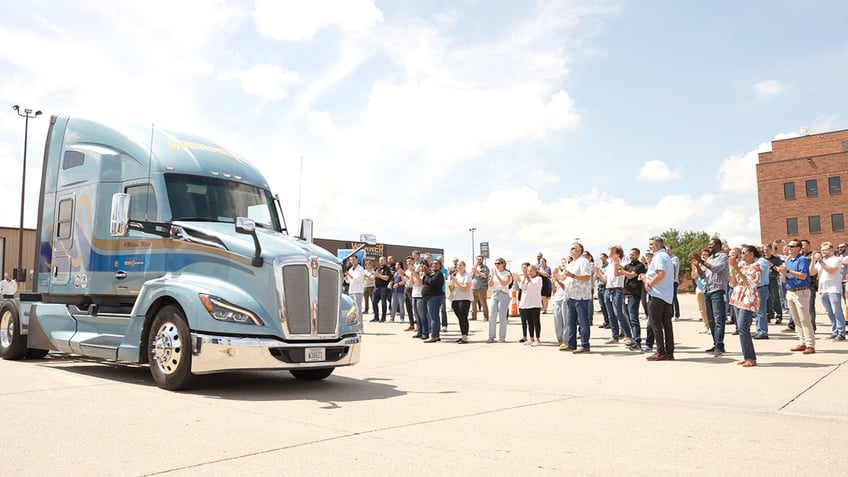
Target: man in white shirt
x=828 y=267
x=578 y=290
x=355 y=277
x=8 y=288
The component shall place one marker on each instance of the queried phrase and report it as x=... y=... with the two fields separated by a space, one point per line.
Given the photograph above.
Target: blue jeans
x=743 y=324
x=420 y=307
x=577 y=311
x=383 y=296
x=397 y=305
x=716 y=306
x=434 y=308
x=632 y=303
x=618 y=321
x=765 y=306
x=499 y=310
x=833 y=306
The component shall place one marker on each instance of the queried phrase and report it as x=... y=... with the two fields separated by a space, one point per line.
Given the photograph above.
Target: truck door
x=63 y=243
x=139 y=254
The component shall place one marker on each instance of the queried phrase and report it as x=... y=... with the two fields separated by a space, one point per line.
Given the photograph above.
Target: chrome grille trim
x=309 y=296
x=329 y=288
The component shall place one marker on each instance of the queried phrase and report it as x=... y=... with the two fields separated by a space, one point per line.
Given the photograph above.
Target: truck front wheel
x=12 y=342
x=169 y=349
x=311 y=374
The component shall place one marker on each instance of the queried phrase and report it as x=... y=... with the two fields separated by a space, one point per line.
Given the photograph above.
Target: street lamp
x=472 y=230
x=27 y=115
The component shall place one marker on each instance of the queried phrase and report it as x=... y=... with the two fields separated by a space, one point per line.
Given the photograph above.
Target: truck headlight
x=351 y=317
x=224 y=311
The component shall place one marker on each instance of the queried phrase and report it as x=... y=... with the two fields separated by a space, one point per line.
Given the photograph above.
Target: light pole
x=27 y=115
x=472 y=230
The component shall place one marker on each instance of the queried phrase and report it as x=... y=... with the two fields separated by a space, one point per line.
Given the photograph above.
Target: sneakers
x=490 y=340
x=628 y=341
x=535 y=343
x=839 y=338
x=760 y=336
x=565 y=347
x=502 y=340
x=787 y=330
x=634 y=347
x=612 y=341
x=581 y=350
x=718 y=352
x=432 y=340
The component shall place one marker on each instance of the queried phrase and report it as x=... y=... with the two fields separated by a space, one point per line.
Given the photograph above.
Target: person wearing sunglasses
x=795 y=273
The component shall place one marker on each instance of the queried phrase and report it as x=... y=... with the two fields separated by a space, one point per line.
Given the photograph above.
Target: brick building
x=799 y=187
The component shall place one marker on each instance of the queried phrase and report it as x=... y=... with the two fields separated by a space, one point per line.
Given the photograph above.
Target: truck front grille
x=310 y=303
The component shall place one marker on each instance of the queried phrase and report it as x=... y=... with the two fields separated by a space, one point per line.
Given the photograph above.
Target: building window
x=812 y=188
x=837 y=221
x=792 y=227
x=788 y=190
x=815 y=224
x=834 y=185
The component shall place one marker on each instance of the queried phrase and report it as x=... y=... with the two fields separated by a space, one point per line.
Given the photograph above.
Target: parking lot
x=411 y=408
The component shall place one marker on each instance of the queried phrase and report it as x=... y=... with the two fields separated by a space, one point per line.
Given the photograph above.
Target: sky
x=534 y=122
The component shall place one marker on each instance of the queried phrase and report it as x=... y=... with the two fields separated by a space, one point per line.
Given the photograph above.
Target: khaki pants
x=798 y=303
x=479 y=297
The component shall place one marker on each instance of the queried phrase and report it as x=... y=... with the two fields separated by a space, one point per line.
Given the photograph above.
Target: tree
x=684 y=244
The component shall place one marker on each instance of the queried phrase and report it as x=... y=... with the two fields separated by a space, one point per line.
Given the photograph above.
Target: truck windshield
x=211 y=199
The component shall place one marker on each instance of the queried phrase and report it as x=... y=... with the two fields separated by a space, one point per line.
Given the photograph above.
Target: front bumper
x=212 y=354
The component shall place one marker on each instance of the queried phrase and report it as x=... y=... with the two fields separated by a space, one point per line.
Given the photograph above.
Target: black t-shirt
x=383 y=270
x=774 y=261
x=633 y=286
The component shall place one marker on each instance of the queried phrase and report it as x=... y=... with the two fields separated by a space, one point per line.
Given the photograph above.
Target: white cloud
x=301 y=21
x=265 y=81
x=739 y=173
x=768 y=88
x=659 y=171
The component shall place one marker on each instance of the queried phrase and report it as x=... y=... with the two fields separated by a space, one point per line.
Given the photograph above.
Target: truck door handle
x=120 y=275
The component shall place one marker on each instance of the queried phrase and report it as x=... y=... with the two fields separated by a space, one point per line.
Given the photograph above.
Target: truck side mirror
x=247 y=226
x=306 y=227
x=369 y=239
x=119 y=222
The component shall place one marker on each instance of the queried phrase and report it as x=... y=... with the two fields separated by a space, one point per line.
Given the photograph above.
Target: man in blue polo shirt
x=659 y=283
x=795 y=272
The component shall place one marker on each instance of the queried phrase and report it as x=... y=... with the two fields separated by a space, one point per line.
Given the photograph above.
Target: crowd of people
x=744 y=286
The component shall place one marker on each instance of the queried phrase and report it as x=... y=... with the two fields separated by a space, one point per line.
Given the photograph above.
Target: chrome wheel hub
x=7 y=329
x=166 y=348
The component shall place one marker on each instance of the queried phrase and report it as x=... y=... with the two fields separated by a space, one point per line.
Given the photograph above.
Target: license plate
x=316 y=354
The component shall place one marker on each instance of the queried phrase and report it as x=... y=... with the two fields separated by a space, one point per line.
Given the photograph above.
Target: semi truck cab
x=165 y=248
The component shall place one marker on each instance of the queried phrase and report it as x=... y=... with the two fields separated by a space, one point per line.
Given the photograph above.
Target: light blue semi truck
x=164 y=248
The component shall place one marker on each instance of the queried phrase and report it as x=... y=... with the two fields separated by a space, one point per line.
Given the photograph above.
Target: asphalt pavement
x=413 y=408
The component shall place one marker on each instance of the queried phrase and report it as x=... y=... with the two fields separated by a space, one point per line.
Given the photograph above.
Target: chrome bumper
x=212 y=354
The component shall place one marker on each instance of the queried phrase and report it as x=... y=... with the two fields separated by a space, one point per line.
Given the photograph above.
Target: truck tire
x=311 y=374
x=169 y=349
x=12 y=342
